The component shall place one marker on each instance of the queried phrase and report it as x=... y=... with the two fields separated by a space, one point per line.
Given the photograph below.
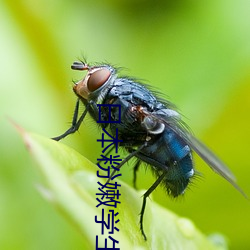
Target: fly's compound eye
x=97 y=79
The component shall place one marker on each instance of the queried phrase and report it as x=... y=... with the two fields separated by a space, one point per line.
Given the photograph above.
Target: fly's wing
x=212 y=160
x=208 y=156
x=175 y=124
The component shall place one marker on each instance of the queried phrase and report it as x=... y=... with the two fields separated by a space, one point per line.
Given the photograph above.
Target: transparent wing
x=175 y=124
x=208 y=156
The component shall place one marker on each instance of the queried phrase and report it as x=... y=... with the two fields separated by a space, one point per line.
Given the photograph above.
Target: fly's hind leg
x=145 y=196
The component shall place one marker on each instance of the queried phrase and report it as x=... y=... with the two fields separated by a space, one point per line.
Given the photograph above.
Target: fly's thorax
x=152 y=125
x=94 y=85
x=153 y=122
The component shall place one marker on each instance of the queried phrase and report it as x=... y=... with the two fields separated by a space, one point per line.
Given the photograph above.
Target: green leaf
x=71 y=186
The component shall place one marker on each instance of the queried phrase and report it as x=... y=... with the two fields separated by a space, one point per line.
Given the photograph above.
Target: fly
x=151 y=129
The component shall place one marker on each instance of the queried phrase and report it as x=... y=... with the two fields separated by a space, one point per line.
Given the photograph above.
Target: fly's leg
x=145 y=196
x=136 y=167
x=107 y=153
x=126 y=160
x=75 y=123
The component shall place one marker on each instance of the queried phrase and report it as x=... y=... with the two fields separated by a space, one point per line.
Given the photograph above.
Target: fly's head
x=95 y=81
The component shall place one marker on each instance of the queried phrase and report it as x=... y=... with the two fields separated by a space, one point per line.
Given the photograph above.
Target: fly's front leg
x=75 y=123
x=145 y=196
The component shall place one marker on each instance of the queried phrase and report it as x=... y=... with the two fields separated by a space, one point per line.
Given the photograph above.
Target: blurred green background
x=196 y=53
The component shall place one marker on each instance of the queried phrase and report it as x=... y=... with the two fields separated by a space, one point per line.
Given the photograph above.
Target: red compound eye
x=97 y=79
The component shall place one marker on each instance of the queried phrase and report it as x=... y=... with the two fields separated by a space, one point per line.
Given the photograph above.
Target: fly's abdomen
x=173 y=156
x=177 y=179
x=180 y=166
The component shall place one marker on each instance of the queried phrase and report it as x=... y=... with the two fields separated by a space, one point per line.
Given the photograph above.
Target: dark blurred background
x=196 y=53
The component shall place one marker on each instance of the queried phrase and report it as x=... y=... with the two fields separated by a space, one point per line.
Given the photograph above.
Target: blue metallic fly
x=151 y=129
